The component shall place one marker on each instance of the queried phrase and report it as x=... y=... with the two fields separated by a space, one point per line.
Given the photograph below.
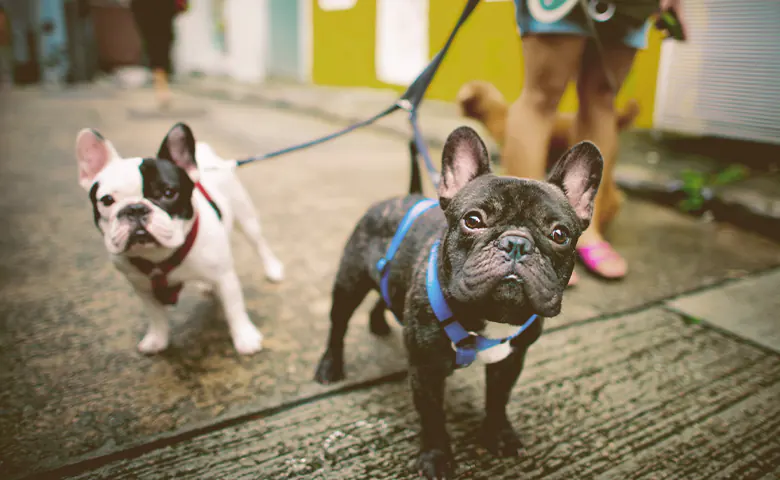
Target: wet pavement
x=619 y=386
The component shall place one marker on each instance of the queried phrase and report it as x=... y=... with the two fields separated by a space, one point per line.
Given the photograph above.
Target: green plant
x=690 y=319
x=697 y=186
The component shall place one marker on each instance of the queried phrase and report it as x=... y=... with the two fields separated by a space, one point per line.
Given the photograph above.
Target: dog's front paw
x=435 y=464
x=248 y=340
x=330 y=369
x=501 y=439
x=274 y=270
x=153 y=342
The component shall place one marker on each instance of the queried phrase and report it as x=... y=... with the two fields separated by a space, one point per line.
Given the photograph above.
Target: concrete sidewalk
x=627 y=383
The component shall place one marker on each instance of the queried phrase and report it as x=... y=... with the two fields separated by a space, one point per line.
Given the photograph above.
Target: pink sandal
x=593 y=256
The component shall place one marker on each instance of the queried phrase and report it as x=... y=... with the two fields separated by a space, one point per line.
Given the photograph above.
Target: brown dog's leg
x=613 y=196
x=560 y=141
x=627 y=116
x=612 y=202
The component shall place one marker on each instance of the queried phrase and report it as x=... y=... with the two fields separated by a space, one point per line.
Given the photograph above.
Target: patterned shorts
x=574 y=23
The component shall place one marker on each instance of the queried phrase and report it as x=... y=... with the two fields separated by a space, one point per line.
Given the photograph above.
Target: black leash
x=600 y=47
x=409 y=101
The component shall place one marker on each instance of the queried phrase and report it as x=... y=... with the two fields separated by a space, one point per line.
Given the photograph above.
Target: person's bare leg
x=597 y=122
x=550 y=61
x=161 y=87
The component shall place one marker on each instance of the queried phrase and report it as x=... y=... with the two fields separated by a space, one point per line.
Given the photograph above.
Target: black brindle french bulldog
x=506 y=255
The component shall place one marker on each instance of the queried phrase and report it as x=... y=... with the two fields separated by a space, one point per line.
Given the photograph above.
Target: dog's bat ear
x=93 y=154
x=578 y=174
x=178 y=146
x=464 y=159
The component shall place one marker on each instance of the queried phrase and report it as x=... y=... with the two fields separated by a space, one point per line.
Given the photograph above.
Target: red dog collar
x=158 y=272
x=164 y=293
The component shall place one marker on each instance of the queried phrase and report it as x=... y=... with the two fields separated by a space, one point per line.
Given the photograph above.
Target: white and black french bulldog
x=166 y=221
x=492 y=259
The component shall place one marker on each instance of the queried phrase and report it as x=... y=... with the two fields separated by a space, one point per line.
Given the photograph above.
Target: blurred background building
x=724 y=82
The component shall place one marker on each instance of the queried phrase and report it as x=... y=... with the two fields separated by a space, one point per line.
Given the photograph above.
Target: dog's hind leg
x=377 y=321
x=250 y=225
x=349 y=290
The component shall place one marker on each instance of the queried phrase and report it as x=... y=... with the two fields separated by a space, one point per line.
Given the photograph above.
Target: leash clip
x=595 y=14
x=381 y=265
x=405 y=104
x=466 y=350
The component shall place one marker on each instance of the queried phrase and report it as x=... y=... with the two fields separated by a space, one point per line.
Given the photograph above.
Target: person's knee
x=543 y=92
x=595 y=89
x=596 y=95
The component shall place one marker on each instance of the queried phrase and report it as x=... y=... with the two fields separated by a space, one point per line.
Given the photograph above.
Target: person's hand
x=676 y=6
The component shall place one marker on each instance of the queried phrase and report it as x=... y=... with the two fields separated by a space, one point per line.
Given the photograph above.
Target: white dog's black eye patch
x=167 y=186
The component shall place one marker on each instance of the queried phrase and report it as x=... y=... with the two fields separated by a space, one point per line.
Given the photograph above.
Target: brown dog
x=483 y=102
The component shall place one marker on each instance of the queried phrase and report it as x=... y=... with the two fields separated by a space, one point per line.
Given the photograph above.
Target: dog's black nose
x=134 y=210
x=517 y=246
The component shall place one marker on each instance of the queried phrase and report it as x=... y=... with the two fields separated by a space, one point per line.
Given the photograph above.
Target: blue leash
x=320 y=140
x=467 y=344
x=409 y=101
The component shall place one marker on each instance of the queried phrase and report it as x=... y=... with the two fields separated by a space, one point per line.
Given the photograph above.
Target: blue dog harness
x=383 y=265
x=467 y=344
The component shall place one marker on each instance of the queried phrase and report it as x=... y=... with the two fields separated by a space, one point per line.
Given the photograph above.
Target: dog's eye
x=169 y=193
x=560 y=236
x=107 y=200
x=473 y=220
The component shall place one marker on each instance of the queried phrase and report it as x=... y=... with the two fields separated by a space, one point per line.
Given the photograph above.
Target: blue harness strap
x=467 y=344
x=383 y=265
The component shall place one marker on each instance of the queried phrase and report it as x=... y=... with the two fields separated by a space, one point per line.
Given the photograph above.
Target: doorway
x=284 y=59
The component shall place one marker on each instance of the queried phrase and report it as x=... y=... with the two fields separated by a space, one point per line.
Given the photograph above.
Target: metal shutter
x=725 y=81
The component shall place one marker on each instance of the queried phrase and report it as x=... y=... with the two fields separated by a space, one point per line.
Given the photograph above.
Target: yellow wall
x=487 y=48
x=343 y=46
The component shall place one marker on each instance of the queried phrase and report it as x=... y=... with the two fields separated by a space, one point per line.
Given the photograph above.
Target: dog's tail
x=627 y=116
x=415 y=181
